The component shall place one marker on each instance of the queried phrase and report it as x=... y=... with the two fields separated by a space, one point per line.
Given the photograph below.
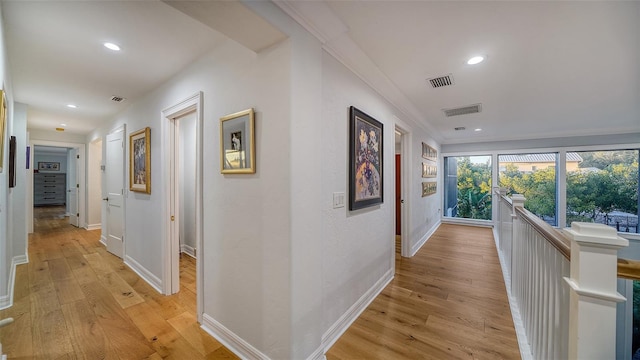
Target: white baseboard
x=339 y=327
x=425 y=237
x=103 y=240
x=230 y=340
x=523 y=342
x=6 y=301
x=93 y=227
x=145 y=274
x=184 y=248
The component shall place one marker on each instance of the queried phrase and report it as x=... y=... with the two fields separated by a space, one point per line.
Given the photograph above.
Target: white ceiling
x=553 y=68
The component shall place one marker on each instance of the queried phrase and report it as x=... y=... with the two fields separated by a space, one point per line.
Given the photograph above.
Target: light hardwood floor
x=447 y=302
x=74 y=300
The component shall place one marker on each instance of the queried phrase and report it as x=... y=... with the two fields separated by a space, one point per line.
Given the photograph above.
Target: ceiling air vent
x=441 y=81
x=459 y=128
x=117 y=98
x=469 y=109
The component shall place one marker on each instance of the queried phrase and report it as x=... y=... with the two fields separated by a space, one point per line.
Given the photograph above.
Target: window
x=467 y=188
x=602 y=187
x=538 y=185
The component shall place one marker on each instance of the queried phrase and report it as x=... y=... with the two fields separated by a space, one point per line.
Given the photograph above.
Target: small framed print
x=140 y=161
x=237 y=143
x=429 y=153
x=429 y=188
x=48 y=166
x=429 y=171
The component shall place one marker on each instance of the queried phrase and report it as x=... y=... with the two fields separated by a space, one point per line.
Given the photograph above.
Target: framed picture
x=429 y=171
x=429 y=153
x=237 y=143
x=365 y=160
x=429 y=188
x=48 y=166
x=3 y=126
x=12 y=162
x=140 y=161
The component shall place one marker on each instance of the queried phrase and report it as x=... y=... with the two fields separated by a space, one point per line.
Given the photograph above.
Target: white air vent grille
x=441 y=81
x=469 y=109
x=117 y=98
x=459 y=128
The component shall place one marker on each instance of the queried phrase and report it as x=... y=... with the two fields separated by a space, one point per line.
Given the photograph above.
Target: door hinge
x=77 y=156
x=78 y=214
x=78 y=186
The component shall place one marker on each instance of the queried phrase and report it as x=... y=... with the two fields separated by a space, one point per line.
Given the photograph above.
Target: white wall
x=358 y=247
x=187 y=173
x=94 y=185
x=246 y=217
x=18 y=194
x=58 y=136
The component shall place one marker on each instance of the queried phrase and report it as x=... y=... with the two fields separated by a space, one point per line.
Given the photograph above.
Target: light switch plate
x=338 y=200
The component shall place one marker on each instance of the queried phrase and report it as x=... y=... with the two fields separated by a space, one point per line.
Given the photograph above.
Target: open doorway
x=401 y=247
x=182 y=139
x=56 y=180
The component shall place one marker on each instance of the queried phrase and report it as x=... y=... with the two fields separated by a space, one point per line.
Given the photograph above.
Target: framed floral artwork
x=140 y=161
x=365 y=160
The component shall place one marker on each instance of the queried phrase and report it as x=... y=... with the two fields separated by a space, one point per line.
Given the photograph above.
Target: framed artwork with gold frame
x=237 y=143
x=140 y=161
x=429 y=188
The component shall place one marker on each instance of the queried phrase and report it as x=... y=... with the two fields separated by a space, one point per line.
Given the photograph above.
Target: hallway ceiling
x=552 y=69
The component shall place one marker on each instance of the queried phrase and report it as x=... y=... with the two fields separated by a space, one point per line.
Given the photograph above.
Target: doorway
x=182 y=146
x=401 y=244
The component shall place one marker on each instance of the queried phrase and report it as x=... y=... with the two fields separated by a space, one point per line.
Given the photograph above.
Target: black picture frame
x=366 y=173
x=12 y=162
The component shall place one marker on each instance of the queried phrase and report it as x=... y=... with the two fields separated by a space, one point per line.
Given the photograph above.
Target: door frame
x=405 y=189
x=81 y=179
x=171 y=241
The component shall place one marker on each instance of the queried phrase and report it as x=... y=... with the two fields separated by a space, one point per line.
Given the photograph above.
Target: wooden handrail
x=557 y=239
x=628 y=269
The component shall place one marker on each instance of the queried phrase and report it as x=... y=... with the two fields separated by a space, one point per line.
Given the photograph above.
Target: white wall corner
x=103 y=240
x=417 y=246
x=94 y=227
x=186 y=249
x=230 y=340
x=145 y=274
x=339 y=327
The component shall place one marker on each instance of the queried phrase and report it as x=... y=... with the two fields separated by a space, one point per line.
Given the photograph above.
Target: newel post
x=517 y=200
x=593 y=294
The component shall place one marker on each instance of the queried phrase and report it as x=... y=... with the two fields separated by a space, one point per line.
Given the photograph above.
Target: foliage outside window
x=468 y=187
x=534 y=176
x=604 y=189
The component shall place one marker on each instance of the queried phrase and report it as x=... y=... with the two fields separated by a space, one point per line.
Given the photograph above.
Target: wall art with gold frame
x=140 y=161
x=429 y=188
x=429 y=153
x=429 y=171
x=237 y=143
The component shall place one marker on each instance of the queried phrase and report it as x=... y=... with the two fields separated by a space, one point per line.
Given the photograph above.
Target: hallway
x=74 y=300
x=447 y=302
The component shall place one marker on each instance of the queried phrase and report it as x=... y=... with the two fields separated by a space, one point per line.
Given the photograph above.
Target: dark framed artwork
x=365 y=160
x=237 y=143
x=140 y=161
x=12 y=162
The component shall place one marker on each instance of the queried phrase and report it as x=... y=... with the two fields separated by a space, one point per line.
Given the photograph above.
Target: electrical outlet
x=338 y=200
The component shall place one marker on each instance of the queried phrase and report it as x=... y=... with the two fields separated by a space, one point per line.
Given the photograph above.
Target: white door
x=114 y=186
x=72 y=186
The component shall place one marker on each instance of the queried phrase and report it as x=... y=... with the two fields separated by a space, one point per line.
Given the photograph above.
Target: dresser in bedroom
x=49 y=189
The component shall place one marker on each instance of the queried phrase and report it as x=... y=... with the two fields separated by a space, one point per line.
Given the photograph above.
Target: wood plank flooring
x=74 y=300
x=447 y=302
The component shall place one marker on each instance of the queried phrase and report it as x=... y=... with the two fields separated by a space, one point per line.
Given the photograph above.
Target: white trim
x=103 y=240
x=523 y=342
x=145 y=274
x=6 y=301
x=230 y=340
x=318 y=354
x=415 y=248
x=170 y=239
x=467 y=222
x=186 y=249
x=342 y=324
x=94 y=227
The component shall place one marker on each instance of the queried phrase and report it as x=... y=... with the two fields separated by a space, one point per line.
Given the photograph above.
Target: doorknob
x=402 y=201
x=106 y=199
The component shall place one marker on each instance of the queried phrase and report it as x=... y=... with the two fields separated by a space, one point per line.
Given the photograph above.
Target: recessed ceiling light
x=475 y=60
x=63 y=125
x=478 y=129
x=72 y=106
x=111 y=46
